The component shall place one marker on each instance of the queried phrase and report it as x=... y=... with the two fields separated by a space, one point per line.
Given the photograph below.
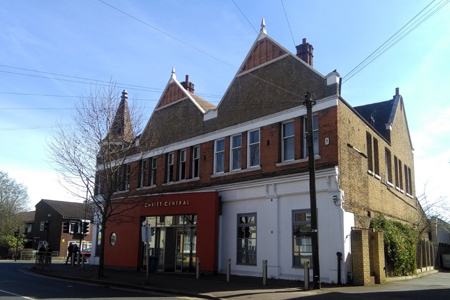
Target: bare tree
x=91 y=155
x=13 y=199
x=431 y=207
x=434 y=206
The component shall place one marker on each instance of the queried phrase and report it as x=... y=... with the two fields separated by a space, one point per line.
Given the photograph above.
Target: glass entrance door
x=173 y=245
x=186 y=238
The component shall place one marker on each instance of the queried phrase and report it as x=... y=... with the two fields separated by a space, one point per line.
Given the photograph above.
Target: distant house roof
x=27 y=217
x=377 y=115
x=70 y=210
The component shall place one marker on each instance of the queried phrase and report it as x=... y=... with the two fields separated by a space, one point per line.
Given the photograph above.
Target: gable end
x=264 y=50
x=172 y=94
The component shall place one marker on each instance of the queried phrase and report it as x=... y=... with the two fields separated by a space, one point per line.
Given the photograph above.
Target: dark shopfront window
x=246 y=239
x=302 y=245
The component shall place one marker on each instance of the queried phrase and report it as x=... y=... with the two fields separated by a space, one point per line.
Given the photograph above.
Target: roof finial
x=173 y=73
x=263 y=27
x=124 y=95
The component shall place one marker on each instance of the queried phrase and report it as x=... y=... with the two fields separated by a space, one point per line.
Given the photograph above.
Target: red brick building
x=49 y=220
x=234 y=177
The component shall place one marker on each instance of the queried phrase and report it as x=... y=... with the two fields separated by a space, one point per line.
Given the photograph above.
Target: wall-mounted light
x=339 y=198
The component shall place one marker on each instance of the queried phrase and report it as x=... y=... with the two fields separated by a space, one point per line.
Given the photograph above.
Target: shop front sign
x=167 y=203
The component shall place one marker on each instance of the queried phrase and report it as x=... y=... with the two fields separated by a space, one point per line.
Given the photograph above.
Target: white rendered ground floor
x=269 y=220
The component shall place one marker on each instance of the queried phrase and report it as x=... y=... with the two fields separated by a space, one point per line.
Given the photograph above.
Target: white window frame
x=154 y=164
x=127 y=177
x=287 y=140
x=170 y=160
x=119 y=179
x=238 y=150
x=143 y=173
x=182 y=165
x=98 y=183
x=196 y=162
x=250 y=146
x=315 y=136
x=219 y=152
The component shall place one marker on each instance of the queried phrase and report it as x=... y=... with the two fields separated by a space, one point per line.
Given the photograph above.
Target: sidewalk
x=207 y=286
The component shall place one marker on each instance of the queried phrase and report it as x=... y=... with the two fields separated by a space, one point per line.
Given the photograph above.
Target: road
x=17 y=283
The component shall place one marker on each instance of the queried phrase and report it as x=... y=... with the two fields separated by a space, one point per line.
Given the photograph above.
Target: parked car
x=87 y=254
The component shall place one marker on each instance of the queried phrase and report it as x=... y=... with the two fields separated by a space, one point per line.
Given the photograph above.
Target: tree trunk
x=101 y=263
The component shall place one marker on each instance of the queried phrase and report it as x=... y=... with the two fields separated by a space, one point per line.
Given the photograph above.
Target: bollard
x=82 y=262
x=306 y=268
x=228 y=269
x=197 y=269
x=339 y=258
x=264 y=272
x=147 y=266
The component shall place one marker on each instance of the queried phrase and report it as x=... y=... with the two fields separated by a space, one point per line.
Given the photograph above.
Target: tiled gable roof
x=70 y=210
x=178 y=115
x=381 y=115
x=272 y=81
x=377 y=115
x=176 y=91
x=205 y=105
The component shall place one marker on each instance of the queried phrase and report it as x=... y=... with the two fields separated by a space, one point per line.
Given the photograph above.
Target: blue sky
x=136 y=44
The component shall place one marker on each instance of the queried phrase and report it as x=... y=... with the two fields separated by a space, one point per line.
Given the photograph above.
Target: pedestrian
x=70 y=251
x=75 y=252
x=41 y=254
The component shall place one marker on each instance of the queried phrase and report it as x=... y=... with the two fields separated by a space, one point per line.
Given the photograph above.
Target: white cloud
x=41 y=184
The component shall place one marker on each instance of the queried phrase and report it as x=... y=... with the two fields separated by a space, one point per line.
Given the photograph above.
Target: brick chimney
x=305 y=52
x=189 y=86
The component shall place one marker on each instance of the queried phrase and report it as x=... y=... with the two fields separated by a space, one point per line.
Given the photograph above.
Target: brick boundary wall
x=367 y=257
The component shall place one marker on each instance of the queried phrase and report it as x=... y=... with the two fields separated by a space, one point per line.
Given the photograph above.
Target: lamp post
x=312 y=190
x=48 y=229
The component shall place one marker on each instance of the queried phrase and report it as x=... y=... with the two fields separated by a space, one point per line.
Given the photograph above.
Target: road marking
x=17 y=295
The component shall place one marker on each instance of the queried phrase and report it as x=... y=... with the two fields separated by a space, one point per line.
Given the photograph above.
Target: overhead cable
x=411 y=25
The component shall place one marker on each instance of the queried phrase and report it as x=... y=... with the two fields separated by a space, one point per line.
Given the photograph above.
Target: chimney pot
x=397 y=91
x=189 y=86
x=305 y=52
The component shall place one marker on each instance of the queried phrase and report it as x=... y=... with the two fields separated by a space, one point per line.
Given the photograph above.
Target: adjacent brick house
x=58 y=213
x=231 y=181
